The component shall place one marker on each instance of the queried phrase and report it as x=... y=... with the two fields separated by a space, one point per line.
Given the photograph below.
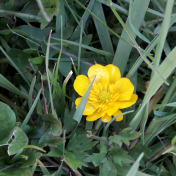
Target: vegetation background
x=41 y=131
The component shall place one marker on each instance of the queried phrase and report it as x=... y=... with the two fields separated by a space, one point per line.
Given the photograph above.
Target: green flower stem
x=101 y=139
x=20 y=15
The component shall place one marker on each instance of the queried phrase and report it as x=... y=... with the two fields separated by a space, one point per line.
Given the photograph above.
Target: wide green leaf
x=124 y=136
x=7 y=120
x=20 y=140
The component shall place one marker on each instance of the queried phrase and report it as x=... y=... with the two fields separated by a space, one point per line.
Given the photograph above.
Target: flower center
x=104 y=96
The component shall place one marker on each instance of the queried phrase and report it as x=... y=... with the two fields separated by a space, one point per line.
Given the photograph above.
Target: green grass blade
x=30 y=111
x=58 y=17
x=84 y=19
x=151 y=11
x=5 y=45
x=168 y=95
x=101 y=22
x=80 y=109
x=159 y=125
x=9 y=86
x=135 y=44
x=165 y=69
x=48 y=78
x=163 y=32
x=109 y=123
x=143 y=122
x=124 y=50
x=31 y=92
x=140 y=60
x=163 y=105
x=117 y=7
x=23 y=36
x=171 y=167
x=134 y=168
x=73 y=14
x=64 y=92
x=14 y=65
x=103 y=32
x=133 y=27
x=58 y=61
x=148 y=49
x=79 y=53
x=84 y=46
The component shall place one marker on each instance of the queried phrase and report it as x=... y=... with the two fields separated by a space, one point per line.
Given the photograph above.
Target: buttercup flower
x=108 y=94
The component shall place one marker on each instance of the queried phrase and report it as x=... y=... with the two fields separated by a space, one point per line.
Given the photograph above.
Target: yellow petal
x=77 y=101
x=81 y=84
x=126 y=104
x=112 y=108
x=89 y=109
x=124 y=88
x=106 y=118
x=101 y=73
x=114 y=73
x=96 y=115
x=116 y=114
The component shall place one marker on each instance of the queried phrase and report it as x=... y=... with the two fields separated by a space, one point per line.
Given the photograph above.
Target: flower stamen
x=104 y=96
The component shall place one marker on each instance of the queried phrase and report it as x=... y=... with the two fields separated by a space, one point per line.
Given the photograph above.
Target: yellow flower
x=108 y=94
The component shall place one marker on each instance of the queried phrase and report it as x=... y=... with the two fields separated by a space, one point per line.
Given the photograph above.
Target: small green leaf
x=57 y=151
x=32 y=156
x=7 y=6
x=7 y=120
x=48 y=139
x=16 y=171
x=32 y=52
x=120 y=155
x=37 y=60
x=75 y=160
x=51 y=8
x=124 y=136
x=80 y=143
x=123 y=169
x=108 y=168
x=55 y=124
x=96 y=159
